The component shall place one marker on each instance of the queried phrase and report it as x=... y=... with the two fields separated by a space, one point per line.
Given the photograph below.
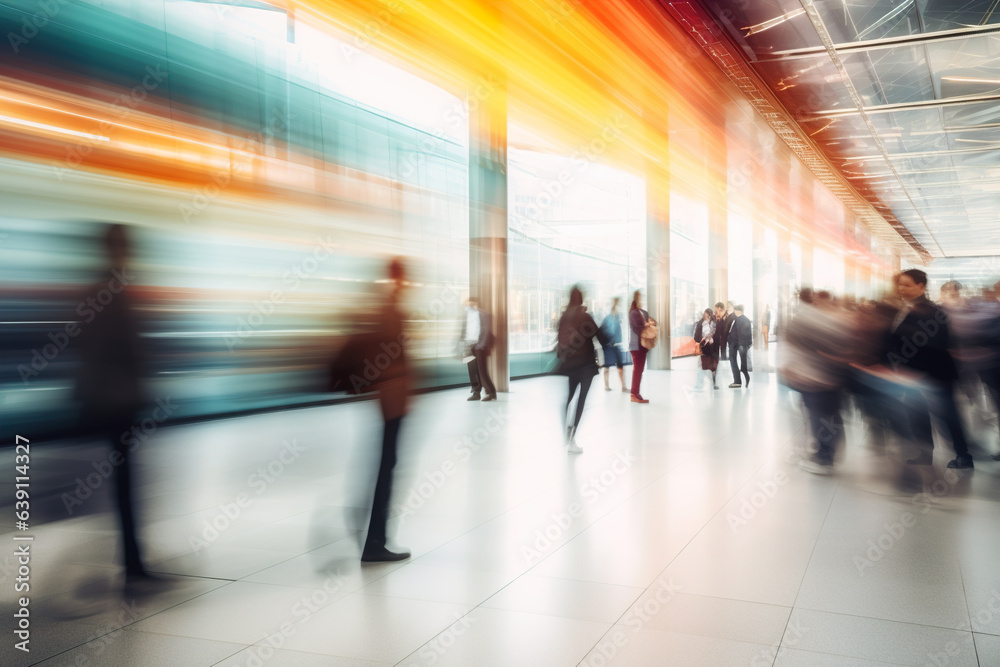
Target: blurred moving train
x=262 y=206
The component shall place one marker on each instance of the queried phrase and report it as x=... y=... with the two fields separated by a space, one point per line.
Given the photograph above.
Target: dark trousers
x=479 y=373
x=114 y=428
x=582 y=377
x=937 y=400
x=825 y=422
x=742 y=367
x=383 y=487
x=638 y=365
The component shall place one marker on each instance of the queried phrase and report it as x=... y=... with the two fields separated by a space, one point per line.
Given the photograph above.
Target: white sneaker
x=575 y=448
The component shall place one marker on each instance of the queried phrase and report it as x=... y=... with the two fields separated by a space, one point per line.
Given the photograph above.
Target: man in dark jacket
x=919 y=349
x=739 y=339
x=477 y=337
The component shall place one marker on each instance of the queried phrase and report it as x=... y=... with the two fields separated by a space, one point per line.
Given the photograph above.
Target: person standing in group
x=704 y=335
x=477 y=336
x=721 y=328
x=727 y=318
x=109 y=384
x=577 y=358
x=740 y=339
x=393 y=385
x=612 y=328
x=637 y=321
x=930 y=366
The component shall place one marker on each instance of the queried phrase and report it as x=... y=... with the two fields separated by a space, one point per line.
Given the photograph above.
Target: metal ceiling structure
x=902 y=97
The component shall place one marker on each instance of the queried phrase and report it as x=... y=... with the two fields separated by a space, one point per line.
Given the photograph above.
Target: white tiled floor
x=683 y=535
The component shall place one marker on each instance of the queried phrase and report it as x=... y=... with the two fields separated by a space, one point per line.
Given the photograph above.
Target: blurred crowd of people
x=904 y=362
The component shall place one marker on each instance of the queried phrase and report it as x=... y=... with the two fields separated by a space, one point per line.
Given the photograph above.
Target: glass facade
x=569 y=224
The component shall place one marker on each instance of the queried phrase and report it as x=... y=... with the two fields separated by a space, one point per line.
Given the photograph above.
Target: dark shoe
x=489 y=397
x=735 y=386
x=961 y=462
x=474 y=397
x=639 y=399
x=923 y=459
x=383 y=555
x=748 y=380
x=995 y=457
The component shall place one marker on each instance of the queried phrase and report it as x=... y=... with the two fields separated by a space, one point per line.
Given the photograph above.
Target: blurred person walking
x=812 y=361
x=613 y=353
x=638 y=320
x=740 y=339
x=919 y=349
x=393 y=384
x=109 y=384
x=577 y=358
x=704 y=336
x=477 y=335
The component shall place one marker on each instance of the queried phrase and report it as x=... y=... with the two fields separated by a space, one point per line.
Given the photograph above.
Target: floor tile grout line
x=128 y=625
x=693 y=537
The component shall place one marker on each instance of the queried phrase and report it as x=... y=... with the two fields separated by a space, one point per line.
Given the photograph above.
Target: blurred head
x=951 y=291
x=575 y=297
x=738 y=309
x=720 y=309
x=730 y=307
x=707 y=315
x=636 y=300
x=806 y=295
x=614 y=303
x=472 y=302
x=116 y=244
x=911 y=284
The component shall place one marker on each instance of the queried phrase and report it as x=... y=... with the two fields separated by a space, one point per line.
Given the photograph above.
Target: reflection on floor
x=683 y=535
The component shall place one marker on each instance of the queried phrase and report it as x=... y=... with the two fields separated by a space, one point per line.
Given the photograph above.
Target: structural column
x=488 y=216
x=658 y=263
x=718 y=225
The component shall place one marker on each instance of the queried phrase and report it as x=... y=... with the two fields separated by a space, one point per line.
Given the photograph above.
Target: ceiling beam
x=883 y=43
x=906 y=106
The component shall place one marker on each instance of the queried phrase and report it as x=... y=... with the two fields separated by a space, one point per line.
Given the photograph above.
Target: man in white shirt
x=477 y=338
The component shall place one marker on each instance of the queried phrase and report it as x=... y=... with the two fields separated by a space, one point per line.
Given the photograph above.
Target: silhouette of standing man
x=393 y=386
x=109 y=383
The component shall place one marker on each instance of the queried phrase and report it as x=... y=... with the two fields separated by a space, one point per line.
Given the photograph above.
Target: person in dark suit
x=109 y=383
x=393 y=384
x=725 y=322
x=739 y=339
x=919 y=348
x=477 y=337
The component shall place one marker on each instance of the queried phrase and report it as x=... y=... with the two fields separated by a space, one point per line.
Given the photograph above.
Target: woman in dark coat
x=577 y=357
x=704 y=335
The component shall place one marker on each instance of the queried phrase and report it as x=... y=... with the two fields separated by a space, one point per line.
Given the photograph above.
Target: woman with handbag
x=704 y=336
x=642 y=340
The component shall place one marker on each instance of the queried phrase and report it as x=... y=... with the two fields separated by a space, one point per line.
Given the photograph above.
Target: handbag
x=649 y=335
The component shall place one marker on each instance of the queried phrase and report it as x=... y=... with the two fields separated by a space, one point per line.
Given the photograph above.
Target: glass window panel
x=828 y=271
x=589 y=232
x=740 y=261
x=890 y=76
x=966 y=66
x=874 y=19
x=688 y=269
